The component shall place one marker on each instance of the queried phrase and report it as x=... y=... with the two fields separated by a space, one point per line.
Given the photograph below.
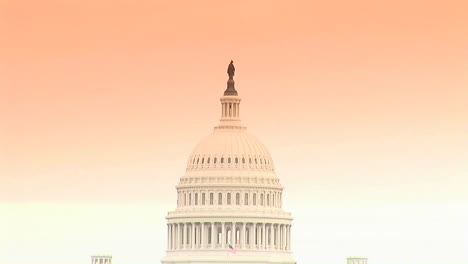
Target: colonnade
x=241 y=235
x=230 y=109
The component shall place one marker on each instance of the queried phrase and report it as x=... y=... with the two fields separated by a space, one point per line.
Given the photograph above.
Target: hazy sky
x=362 y=104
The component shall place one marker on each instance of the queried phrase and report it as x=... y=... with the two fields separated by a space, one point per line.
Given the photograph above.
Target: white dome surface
x=230 y=149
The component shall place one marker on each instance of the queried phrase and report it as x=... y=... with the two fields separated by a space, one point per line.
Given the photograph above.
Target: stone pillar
x=268 y=236
x=275 y=228
x=284 y=238
x=280 y=233
x=184 y=236
x=168 y=237
x=213 y=241
x=254 y=236
x=242 y=236
x=178 y=236
x=174 y=229
x=257 y=236
x=192 y=236
x=203 y=235
x=263 y=236
x=233 y=235
x=223 y=235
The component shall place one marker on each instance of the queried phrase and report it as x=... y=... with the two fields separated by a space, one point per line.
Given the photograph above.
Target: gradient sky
x=362 y=104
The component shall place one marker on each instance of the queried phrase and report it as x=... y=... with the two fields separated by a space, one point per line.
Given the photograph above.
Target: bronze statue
x=231 y=70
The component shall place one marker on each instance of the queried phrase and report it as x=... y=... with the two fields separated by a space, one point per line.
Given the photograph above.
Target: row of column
x=211 y=235
x=230 y=110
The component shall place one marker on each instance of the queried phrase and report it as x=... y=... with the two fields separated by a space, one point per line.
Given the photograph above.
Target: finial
x=230 y=83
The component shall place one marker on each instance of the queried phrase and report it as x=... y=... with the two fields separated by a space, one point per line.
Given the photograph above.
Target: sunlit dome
x=230 y=149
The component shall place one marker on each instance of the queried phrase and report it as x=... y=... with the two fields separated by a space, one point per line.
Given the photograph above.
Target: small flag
x=232 y=249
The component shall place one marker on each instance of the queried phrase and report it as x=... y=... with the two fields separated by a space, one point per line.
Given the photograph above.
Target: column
x=173 y=236
x=277 y=236
x=168 y=236
x=203 y=235
x=192 y=236
x=233 y=235
x=257 y=236
x=223 y=235
x=280 y=233
x=178 y=237
x=252 y=235
x=284 y=238
x=184 y=235
x=289 y=237
x=212 y=234
x=268 y=236
x=263 y=236
x=242 y=236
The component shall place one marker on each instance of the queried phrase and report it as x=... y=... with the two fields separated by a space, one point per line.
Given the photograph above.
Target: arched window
x=198 y=159
x=273 y=200
x=268 y=200
x=190 y=199
x=185 y=199
x=237 y=198
x=222 y=160
x=246 y=199
x=215 y=159
x=250 y=160
x=255 y=160
x=237 y=160
x=229 y=160
x=202 y=160
x=211 y=198
x=220 y=198
x=196 y=198
x=243 y=160
x=203 y=199
x=229 y=199
x=208 y=161
x=261 y=199
x=254 y=202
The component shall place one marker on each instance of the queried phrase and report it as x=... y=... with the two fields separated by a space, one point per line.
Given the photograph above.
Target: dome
x=230 y=149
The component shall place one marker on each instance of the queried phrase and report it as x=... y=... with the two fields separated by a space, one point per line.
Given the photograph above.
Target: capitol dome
x=230 y=149
x=229 y=201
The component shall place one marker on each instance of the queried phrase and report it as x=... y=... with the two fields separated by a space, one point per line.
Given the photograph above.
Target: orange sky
x=365 y=102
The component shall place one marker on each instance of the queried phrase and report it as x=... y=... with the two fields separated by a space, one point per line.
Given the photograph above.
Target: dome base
x=225 y=257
